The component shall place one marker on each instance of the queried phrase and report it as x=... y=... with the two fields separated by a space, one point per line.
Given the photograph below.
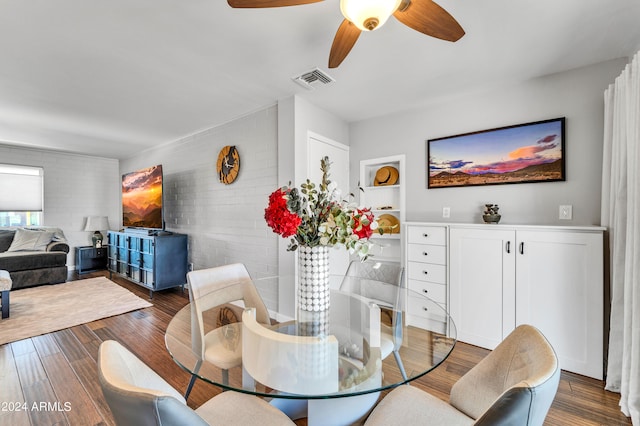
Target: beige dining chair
x=211 y=288
x=514 y=385
x=137 y=395
x=369 y=279
x=311 y=365
x=290 y=363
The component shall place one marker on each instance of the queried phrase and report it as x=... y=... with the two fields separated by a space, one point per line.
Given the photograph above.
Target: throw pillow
x=6 y=237
x=58 y=235
x=26 y=240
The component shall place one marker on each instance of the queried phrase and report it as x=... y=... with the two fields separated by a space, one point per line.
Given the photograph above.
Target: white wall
x=296 y=118
x=576 y=95
x=75 y=186
x=225 y=223
x=310 y=118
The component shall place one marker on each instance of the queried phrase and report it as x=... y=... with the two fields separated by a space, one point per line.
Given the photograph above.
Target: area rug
x=48 y=308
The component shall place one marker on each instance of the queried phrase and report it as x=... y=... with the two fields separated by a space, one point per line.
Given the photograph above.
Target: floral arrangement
x=315 y=216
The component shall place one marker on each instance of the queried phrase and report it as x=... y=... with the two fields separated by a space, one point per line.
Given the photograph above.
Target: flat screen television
x=142 y=199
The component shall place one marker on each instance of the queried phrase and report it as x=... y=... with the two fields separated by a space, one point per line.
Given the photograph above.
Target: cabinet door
x=482 y=284
x=559 y=290
x=170 y=261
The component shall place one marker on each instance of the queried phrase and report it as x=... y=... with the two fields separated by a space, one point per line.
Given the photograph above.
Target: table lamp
x=97 y=223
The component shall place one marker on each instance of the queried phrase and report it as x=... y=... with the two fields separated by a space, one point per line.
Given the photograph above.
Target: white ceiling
x=113 y=78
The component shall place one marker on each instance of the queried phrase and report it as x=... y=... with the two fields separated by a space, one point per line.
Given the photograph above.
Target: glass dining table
x=328 y=366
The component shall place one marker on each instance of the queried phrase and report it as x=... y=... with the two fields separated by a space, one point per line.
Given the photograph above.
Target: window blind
x=21 y=188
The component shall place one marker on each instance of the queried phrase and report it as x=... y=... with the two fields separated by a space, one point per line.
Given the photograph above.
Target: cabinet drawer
x=419 y=307
x=427 y=272
x=426 y=235
x=437 y=292
x=427 y=253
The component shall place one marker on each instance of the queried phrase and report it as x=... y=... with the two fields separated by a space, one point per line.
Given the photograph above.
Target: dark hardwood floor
x=52 y=379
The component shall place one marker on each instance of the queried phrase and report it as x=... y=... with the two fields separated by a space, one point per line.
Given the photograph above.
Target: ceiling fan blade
x=430 y=19
x=344 y=40
x=267 y=3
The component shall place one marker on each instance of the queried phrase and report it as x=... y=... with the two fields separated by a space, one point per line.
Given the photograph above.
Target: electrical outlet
x=566 y=212
x=446 y=212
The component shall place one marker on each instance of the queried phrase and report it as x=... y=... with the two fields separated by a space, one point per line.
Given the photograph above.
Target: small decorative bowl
x=491 y=218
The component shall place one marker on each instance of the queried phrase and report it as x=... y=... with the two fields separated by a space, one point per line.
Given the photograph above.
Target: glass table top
x=362 y=344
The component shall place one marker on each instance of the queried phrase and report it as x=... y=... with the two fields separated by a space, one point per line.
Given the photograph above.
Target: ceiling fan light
x=368 y=15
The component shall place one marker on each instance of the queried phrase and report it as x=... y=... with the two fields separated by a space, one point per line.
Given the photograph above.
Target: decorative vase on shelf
x=491 y=218
x=313 y=278
x=490 y=214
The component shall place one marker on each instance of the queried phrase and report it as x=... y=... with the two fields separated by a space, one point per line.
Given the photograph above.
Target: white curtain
x=621 y=214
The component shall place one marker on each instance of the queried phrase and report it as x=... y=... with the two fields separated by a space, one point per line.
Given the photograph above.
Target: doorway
x=319 y=147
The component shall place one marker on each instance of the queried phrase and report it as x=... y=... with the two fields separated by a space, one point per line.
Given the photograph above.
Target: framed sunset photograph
x=530 y=152
x=142 y=198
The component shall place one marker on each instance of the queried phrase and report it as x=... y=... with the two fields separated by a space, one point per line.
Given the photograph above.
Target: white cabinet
x=559 y=289
x=426 y=272
x=385 y=199
x=482 y=284
x=549 y=277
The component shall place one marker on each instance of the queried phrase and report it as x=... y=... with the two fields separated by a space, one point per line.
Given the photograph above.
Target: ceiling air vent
x=313 y=77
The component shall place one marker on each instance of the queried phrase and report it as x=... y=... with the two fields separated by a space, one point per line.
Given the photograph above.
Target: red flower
x=278 y=216
x=362 y=218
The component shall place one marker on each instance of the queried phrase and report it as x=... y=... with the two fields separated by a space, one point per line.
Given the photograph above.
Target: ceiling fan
x=424 y=16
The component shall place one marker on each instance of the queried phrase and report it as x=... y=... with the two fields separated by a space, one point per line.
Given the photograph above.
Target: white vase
x=313 y=278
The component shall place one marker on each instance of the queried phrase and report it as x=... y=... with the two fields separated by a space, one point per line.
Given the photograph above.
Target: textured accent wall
x=225 y=223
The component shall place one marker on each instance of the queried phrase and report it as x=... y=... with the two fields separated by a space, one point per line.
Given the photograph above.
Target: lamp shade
x=368 y=15
x=96 y=223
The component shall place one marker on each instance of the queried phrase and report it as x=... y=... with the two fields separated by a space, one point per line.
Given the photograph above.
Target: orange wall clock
x=228 y=164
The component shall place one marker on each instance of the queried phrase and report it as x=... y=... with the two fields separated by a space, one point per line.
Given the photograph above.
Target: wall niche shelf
x=385 y=200
x=386 y=236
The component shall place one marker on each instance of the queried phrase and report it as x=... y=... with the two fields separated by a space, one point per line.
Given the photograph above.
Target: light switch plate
x=566 y=212
x=446 y=212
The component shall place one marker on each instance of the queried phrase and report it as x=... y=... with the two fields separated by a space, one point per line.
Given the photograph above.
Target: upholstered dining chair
x=513 y=385
x=211 y=288
x=368 y=280
x=291 y=363
x=137 y=395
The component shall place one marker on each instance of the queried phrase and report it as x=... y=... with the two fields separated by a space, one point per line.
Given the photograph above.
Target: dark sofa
x=28 y=268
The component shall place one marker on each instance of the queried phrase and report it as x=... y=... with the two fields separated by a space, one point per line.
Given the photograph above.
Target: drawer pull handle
x=425 y=272
x=425 y=235
x=424 y=253
x=424 y=308
x=425 y=291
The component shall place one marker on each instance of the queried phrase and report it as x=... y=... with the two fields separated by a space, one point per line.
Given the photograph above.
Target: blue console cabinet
x=156 y=262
